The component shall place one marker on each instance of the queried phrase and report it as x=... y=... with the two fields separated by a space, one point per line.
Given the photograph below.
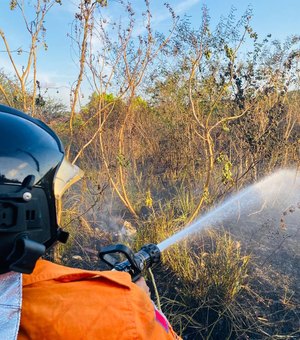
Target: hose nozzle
x=135 y=263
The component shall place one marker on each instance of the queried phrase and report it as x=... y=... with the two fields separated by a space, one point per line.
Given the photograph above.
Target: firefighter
x=40 y=299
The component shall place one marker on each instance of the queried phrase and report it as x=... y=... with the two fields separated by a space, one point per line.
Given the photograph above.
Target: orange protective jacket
x=66 y=303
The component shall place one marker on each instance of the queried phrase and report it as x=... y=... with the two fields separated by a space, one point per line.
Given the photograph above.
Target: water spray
x=273 y=193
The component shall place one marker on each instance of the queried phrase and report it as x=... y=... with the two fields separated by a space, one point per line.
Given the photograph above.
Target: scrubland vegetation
x=175 y=123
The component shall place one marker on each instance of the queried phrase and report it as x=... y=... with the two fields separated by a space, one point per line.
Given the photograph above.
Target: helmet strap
x=24 y=255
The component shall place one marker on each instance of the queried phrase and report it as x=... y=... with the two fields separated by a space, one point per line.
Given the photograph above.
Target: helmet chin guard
x=30 y=157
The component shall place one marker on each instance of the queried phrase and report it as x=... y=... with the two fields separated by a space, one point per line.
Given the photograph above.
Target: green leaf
x=13 y=4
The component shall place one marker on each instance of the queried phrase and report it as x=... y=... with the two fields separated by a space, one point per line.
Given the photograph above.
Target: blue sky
x=57 y=67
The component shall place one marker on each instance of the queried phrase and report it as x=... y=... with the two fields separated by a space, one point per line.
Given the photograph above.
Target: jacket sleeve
x=150 y=322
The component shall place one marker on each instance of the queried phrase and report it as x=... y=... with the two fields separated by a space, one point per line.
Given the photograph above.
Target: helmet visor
x=66 y=176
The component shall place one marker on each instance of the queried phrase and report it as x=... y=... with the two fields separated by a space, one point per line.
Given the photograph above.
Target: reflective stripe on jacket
x=10 y=304
x=66 y=303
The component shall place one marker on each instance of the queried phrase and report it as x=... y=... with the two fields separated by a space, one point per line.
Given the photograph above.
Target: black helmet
x=33 y=173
